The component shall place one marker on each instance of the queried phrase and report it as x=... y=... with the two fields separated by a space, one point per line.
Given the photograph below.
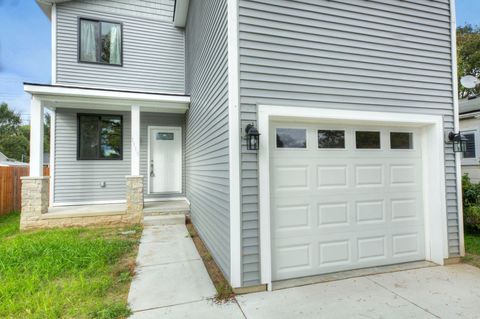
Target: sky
x=25 y=47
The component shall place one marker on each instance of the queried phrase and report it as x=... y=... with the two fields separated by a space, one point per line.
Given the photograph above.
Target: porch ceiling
x=54 y=96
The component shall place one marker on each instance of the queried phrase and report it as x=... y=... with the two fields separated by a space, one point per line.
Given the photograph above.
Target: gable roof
x=469 y=106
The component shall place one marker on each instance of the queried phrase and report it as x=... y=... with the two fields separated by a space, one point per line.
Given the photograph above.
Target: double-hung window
x=100 y=42
x=99 y=137
x=469 y=157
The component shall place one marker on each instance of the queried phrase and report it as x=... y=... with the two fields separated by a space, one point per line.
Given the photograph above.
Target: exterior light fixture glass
x=252 y=137
x=459 y=142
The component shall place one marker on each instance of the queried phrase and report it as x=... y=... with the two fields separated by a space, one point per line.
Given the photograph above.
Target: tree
x=13 y=143
x=468 y=56
x=15 y=137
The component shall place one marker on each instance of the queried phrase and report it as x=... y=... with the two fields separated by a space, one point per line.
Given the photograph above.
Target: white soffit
x=46 y=5
x=181 y=12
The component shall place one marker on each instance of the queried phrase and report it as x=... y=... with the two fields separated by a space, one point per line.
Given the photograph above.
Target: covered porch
x=101 y=180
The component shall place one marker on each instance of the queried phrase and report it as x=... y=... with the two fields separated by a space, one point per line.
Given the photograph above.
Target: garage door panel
x=332 y=176
x=335 y=210
x=292 y=177
x=369 y=175
x=293 y=217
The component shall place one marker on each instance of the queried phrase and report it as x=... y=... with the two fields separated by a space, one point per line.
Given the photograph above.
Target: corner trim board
x=54 y=42
x=234 y=144
x=456 y=121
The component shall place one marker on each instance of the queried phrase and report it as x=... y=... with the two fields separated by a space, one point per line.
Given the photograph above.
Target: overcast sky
x=25 y=47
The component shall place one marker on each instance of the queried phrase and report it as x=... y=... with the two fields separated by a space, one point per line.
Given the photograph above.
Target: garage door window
x=291 y=138
x=367 y=140
x=331 y=139
x=401 y=141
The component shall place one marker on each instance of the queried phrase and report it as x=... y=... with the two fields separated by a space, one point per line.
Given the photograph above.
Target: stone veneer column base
x=135 y=198
x=35 y=199
x=35 y=203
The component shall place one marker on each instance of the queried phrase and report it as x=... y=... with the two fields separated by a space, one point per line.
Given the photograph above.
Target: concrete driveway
x=434 y=292
x=172 y=282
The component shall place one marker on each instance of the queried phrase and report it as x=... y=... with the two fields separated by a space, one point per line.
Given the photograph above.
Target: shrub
x=471 y=217
x=471 y=203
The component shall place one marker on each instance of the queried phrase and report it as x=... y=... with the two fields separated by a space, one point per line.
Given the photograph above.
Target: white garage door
x=344 y=197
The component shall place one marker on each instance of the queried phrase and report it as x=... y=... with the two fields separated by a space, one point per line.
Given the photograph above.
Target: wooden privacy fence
x=11 y=187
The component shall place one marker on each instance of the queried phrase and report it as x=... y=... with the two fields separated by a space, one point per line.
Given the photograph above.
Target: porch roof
x=53 y=96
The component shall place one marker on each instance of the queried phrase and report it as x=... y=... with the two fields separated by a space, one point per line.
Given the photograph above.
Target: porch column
x=135 y=162
x=36 y=138
x=35 y=199
x=135 y=181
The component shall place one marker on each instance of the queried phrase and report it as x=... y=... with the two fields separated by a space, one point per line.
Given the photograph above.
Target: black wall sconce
x=252 y=137
x=459 y=141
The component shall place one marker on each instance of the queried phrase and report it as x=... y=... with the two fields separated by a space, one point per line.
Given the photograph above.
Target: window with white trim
x=469 y=157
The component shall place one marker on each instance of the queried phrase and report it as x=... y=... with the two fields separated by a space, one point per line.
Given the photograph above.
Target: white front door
x=344 y=197
x=165 y=166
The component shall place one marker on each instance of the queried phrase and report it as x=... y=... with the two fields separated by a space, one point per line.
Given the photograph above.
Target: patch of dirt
x=224 y=290
x=471 y=259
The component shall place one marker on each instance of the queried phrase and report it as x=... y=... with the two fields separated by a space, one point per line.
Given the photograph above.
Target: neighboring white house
x=5 y=161
x=151 y=100
x=470 y=128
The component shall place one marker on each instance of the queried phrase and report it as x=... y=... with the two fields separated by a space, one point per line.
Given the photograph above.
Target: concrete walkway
x=172 y=282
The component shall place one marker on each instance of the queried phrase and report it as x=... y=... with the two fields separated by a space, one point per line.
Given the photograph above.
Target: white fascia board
x=469 y=115
x=56 y=96
x=181 y=13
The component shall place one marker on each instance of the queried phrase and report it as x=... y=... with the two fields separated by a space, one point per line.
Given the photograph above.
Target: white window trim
x=434 y=191
x=474 y=160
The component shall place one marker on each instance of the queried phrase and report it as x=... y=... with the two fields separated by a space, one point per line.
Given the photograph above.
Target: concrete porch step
x=174 y=207
x=171 y=219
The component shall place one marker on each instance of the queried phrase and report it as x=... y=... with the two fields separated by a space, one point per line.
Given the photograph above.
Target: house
x=470 y=127
x=5 y=161
x=353 y=100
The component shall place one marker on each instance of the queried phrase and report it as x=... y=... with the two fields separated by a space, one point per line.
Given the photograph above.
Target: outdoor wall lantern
x=459 y=141
x=252 y=137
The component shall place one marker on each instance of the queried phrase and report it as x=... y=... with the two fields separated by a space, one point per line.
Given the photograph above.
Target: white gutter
x=181 y=13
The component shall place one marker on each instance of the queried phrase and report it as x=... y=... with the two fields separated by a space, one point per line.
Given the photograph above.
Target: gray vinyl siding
x=79 y=180
x=207 y=155
x=153 y=49
x=378 y=55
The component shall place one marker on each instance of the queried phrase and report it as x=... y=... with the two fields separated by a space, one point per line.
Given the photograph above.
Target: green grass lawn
x=65 y=273
x=472 y=249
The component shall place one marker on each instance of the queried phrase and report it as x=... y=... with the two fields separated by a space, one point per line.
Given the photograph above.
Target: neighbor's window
x=100 y=42
x=367 y=140
x=331 y=139
x=401 y=141
x=99 y=137
x=470 y=152
x=291 y=138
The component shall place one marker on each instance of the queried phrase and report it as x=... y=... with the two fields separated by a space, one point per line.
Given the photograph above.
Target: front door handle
x=152 y=174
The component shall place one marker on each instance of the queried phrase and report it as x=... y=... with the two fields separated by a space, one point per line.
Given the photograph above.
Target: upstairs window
x=100 y=42
x=99 y=137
